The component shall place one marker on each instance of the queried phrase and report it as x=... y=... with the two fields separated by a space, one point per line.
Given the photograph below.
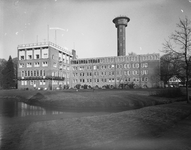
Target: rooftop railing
x=44 y=44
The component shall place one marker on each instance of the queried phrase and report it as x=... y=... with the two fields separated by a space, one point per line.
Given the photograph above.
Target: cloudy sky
x=86 y=25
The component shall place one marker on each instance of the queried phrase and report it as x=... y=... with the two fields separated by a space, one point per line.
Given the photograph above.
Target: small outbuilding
x=174 y=81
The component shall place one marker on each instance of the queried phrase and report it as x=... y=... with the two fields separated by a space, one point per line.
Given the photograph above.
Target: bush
x=85 y=86
x=78 y=86
x=168 y=92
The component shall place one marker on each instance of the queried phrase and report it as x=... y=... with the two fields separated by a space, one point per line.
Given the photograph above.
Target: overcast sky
x=86 y=25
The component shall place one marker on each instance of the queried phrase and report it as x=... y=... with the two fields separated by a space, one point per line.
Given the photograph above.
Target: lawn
x=123 y=130
x=88 y=99
x=96 y=132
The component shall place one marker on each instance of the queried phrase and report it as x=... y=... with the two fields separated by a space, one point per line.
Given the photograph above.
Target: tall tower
x=120 y=24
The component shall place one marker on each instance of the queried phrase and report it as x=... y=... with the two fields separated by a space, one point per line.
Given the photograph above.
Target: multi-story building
x=46 y=65
x=43 y=65
x=142 y=70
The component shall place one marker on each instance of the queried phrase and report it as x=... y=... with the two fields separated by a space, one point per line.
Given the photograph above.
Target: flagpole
x=47 y=33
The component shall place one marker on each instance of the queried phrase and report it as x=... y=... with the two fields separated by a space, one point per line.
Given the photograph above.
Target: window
x=54 y=64
x=144 y=72
x=29 y=56
x=36 y=64
x=44 y=73
x=44 y=63
x=45 y=52
x=23 y=82
x=37 y=56
x=21 y=65
x=137 y=65
x=37 y=73
x=29 y=64
x=28 y=73
x=25 y=73
x=145 y=79
x=22 y=57
x=135 y=72
x=45 y=55
x=42 y=82
x=128 y=72
x=128 y=66
x=31 y=73
x=31 y=82
x=144 y=65
x=22 y=73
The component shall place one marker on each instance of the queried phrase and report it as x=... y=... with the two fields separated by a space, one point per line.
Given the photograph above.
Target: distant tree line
x=8 y=73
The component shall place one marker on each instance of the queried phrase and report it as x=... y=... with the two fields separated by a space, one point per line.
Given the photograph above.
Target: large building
x=48 y=66
x=142 y=70
x=43 y=65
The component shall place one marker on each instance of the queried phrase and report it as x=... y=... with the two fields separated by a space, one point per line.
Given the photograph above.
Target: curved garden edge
x=86 y=100
x=76 y=104
x=98 y=100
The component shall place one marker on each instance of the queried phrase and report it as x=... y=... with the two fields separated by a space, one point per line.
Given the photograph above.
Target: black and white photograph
x=95 y=74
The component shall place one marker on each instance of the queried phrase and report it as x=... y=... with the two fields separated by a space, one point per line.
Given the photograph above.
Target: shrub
x=78 y=86
x=168 y=92
x=85 y=86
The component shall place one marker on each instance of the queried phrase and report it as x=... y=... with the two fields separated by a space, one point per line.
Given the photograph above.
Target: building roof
x=41 y=44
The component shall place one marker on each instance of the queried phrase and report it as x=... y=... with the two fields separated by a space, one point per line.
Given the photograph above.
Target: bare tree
x=180 y=43
x=170 y=65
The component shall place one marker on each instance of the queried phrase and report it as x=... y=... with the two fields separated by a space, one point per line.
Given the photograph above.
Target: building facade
x=48 y=66
x=43 y=65
x=141 y=70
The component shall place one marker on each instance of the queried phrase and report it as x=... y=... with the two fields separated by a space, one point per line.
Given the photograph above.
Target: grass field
x=135 y=129
x=113 y=131
x=88 y=99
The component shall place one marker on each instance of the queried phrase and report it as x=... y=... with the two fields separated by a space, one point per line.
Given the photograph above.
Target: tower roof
x=121 y=17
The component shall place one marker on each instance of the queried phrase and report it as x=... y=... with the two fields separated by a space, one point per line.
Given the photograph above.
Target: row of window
x=32 y=73
x=30 y=57
x=126 y=72
x=36 y=64
x=42 y=73
x=143 y=79
x=44 y=64
x=136 y=65
x=117 y=59
x=34 y=83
